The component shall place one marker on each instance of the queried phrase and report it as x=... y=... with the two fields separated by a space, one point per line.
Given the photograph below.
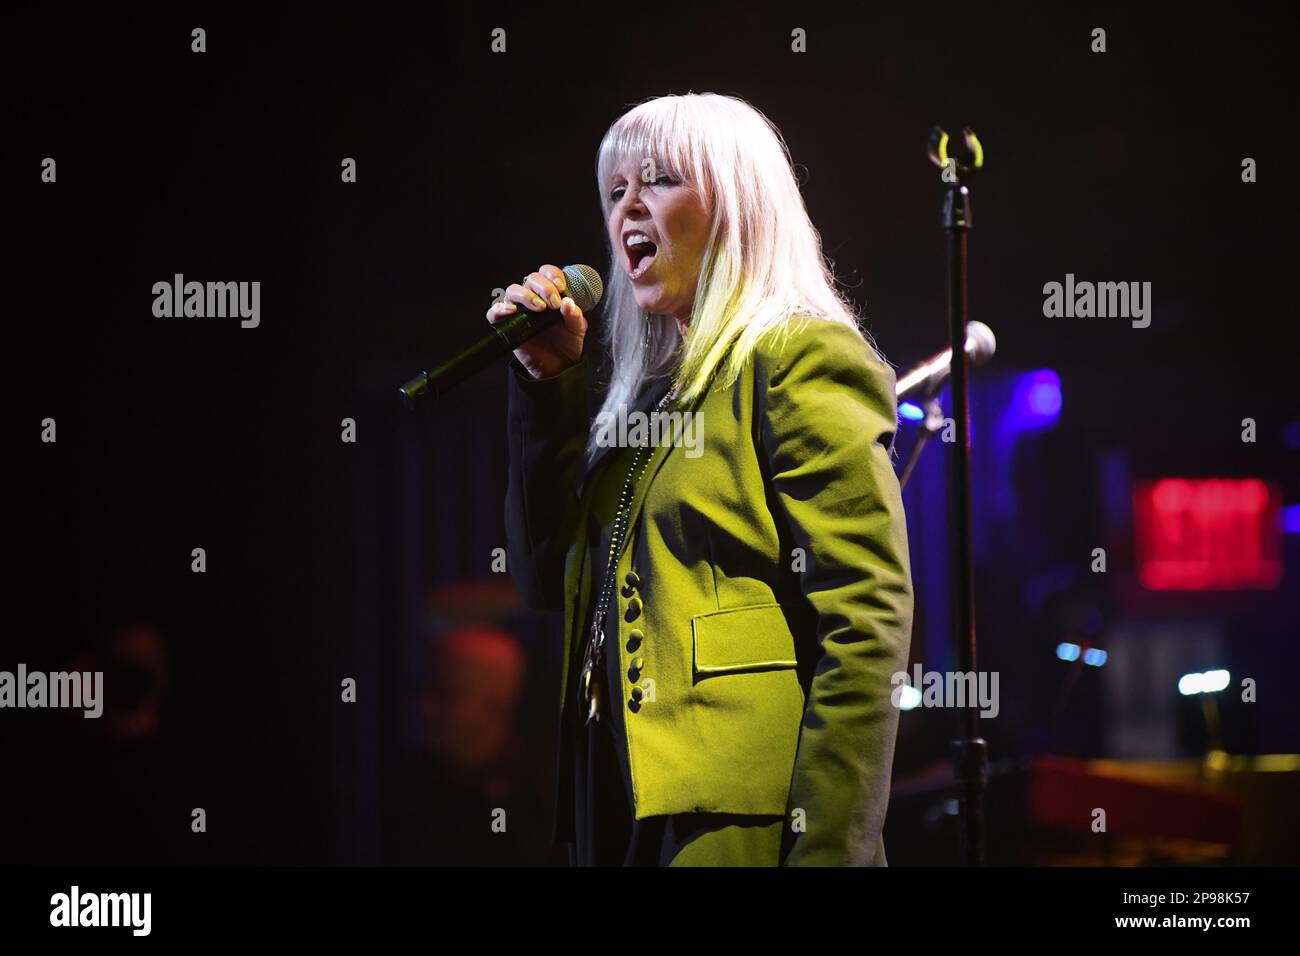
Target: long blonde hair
x=763 y=265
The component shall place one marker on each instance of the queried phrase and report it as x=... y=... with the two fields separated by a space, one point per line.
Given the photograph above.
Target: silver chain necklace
x=593 y=661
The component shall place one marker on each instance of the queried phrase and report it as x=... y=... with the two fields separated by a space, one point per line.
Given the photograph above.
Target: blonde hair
x=763 y=264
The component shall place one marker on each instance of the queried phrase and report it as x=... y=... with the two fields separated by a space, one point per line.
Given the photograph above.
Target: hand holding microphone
x=546 y=335
x=559 y=346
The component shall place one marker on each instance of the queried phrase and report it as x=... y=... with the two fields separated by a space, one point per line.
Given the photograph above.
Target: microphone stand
x=932 y=426
x=970 y=750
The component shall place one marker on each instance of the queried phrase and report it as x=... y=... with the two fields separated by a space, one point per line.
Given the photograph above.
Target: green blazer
x=764 y=583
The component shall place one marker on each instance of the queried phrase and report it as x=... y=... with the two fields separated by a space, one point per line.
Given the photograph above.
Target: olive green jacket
x=765 y=585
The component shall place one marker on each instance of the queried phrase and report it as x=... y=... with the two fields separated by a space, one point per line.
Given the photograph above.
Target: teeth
x=637 y=240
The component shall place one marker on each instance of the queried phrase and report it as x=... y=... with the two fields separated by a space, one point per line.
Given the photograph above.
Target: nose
x=634 y=208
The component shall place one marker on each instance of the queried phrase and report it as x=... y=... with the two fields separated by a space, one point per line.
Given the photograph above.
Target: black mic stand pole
x=959 y=161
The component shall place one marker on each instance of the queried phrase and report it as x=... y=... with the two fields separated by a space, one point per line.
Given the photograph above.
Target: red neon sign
x=1208 y=534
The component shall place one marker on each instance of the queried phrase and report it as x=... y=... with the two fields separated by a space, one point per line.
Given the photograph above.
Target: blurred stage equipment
x=1044 y=811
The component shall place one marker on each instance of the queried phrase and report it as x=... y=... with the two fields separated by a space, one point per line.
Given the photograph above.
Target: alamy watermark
x=208 y=300
x=655 y=428
x=1124 y=300
x=946 y=689
x=76 y=689
x=76 y=908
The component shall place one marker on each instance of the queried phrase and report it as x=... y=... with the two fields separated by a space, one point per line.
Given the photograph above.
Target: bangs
x=650 y=132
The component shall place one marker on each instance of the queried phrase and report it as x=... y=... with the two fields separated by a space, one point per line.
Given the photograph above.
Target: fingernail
x=555 y=301
x=538 y=302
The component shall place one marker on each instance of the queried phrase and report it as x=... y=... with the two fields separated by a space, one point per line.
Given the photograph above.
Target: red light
x=1208 y=534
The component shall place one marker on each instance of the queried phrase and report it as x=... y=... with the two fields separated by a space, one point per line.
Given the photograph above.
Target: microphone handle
x=505 y=336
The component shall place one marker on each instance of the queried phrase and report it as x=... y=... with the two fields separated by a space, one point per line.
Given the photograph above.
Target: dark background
x=474 y=168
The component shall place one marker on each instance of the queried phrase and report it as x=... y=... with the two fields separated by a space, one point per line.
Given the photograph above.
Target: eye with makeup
x=616 y=193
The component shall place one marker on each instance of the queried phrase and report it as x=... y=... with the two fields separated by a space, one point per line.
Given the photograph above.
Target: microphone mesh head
x=980 y=343
x=585 y=286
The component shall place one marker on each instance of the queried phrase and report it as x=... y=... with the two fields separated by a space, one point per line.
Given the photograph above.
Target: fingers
x=557 y=277
x=574 y=320
x=545 y=286
x=539 y=291
x=500 y=310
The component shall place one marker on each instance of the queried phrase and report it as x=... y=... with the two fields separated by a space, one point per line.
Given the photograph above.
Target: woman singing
x=733 y=610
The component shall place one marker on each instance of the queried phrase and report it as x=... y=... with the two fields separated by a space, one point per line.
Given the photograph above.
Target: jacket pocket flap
x=743 y=638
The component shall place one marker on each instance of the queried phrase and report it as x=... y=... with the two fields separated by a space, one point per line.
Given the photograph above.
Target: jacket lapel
x=648 y=398
x=658 y=455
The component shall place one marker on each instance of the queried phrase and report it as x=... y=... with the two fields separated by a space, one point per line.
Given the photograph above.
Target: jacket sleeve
x=827 y=426
x=547 y=430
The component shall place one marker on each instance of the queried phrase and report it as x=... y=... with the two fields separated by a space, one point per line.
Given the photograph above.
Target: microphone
x=928 y=377
x=584 y=287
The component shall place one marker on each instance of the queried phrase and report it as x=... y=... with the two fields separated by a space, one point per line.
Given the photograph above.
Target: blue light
x=1291 y=519
x=913 y=413
x=1043 y=394
x=1067 y=651
x=1094 y=657
x=1291 y=435
x=1036 y=403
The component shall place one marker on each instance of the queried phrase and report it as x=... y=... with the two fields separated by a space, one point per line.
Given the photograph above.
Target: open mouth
x=641 y=254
